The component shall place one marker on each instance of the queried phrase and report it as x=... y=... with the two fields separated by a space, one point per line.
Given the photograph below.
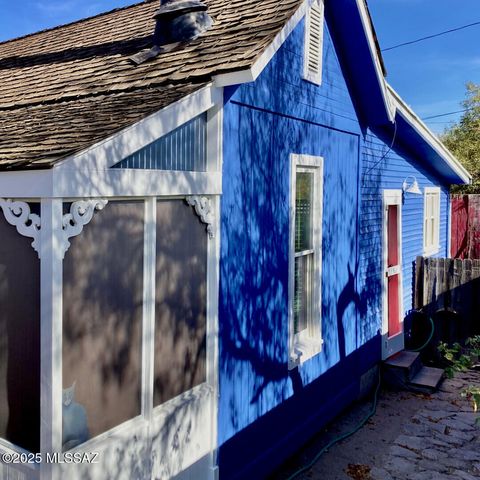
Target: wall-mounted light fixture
x=411 y=187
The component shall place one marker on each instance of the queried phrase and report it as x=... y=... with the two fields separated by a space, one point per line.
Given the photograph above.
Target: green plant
x=472 y=393
x=460 y=359
x=473 y=344
x=456 y=359
x=463 y=140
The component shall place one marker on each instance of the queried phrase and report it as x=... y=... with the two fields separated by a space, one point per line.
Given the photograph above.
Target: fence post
x=419 y=273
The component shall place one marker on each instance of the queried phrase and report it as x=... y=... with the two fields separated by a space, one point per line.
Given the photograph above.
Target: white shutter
x=312 y=70
x=436 y=214
x=431 y=221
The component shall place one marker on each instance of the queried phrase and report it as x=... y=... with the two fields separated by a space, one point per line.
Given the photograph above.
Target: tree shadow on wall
x=254 y=270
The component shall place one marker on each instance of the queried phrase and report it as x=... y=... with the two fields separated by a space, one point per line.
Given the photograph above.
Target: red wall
x=465 y=226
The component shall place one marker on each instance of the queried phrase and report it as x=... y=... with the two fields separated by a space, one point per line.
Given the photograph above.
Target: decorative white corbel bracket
x=27 y=224
x=81 y=213
x=204 y=209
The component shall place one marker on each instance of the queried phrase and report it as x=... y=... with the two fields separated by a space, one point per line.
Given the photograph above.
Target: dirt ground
x=375 y=451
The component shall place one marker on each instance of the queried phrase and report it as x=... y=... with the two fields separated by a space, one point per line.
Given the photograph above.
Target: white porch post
x=213 y=279
x=149 y=253
x=51 y=332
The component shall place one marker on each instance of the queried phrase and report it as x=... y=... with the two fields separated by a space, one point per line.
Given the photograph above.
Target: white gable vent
x=312 y=65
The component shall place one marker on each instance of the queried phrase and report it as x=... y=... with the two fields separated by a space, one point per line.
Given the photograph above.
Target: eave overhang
x=425 y=144
x=362 y=63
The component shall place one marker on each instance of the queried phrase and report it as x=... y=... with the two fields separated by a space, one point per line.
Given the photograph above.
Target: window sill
x=304 y=350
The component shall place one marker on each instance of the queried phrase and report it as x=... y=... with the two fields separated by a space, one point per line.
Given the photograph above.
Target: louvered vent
x=183 y=149
x=314 y=43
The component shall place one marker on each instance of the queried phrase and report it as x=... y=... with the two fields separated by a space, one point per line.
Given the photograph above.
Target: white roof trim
x=252 y=73
x=367 y=27
x=111 y=150
x=409 y=115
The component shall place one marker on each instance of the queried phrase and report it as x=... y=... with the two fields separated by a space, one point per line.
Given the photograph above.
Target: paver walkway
x=411 y=437
x=441 y=441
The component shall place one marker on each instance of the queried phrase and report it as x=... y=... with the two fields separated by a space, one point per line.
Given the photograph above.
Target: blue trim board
x=345 y=22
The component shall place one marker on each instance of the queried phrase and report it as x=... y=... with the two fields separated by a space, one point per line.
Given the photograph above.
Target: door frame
x=394 y=344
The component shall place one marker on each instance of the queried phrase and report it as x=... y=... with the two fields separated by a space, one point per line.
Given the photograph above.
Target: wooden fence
x=465 y=228
x=449 y=283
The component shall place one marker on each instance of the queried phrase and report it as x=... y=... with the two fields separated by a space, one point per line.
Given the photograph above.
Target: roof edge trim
x=118 y=146
x=367 y=28
x=252 y=73
x=419 y=126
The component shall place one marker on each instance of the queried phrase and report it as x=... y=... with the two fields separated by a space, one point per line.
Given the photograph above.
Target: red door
x=393 y=271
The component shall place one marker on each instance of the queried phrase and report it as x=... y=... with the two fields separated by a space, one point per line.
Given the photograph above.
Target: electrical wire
x=441 y=123
x=431 y=36
x=447 y=114
x=384 y=155
x=341 y=437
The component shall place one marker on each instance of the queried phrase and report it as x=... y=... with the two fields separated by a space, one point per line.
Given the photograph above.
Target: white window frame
x=434 y=247
x=313 y=77
x=308 y=343
x=393 y=344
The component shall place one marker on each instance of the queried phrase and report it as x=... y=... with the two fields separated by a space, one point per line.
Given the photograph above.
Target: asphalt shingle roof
x=64 y=89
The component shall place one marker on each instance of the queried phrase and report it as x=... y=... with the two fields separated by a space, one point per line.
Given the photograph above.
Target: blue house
x=210 y=222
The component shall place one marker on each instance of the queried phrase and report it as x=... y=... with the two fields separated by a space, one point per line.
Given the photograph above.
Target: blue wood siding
x=282 y=90
x=266 y=411
x=265 y=122
x=384 y=168
x=183 y=149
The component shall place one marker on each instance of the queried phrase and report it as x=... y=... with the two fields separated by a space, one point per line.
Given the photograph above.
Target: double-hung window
x=305 y=257
x=431 y=221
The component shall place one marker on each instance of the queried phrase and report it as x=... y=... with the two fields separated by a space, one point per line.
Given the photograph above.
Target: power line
x=432 y=36
x=441 y=123
x=446 y=114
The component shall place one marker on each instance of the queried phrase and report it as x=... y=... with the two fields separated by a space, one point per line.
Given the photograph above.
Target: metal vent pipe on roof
x=178 y=21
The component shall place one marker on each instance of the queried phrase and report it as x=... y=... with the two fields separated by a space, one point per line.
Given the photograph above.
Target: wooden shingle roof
x=64 y=89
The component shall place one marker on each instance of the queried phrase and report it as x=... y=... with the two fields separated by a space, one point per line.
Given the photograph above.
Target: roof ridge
x=81 y=20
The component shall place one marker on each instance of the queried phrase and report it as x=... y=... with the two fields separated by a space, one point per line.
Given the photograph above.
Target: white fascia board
x=110 y=151
x=367 y=27
x=113 y=182
x=252 y=73
x=409 y=115
x=26 y=184
x=118 y=182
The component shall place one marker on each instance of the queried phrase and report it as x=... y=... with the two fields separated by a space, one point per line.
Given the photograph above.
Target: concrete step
x=405 y=371
x=405 y=365
x=427 y=379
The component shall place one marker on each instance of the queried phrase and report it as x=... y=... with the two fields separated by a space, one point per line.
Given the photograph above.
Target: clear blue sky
x=430 y=75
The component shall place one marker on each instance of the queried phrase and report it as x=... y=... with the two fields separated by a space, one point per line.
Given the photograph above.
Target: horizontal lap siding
x=261 y=404
x=281 y=88
x=380 y=173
